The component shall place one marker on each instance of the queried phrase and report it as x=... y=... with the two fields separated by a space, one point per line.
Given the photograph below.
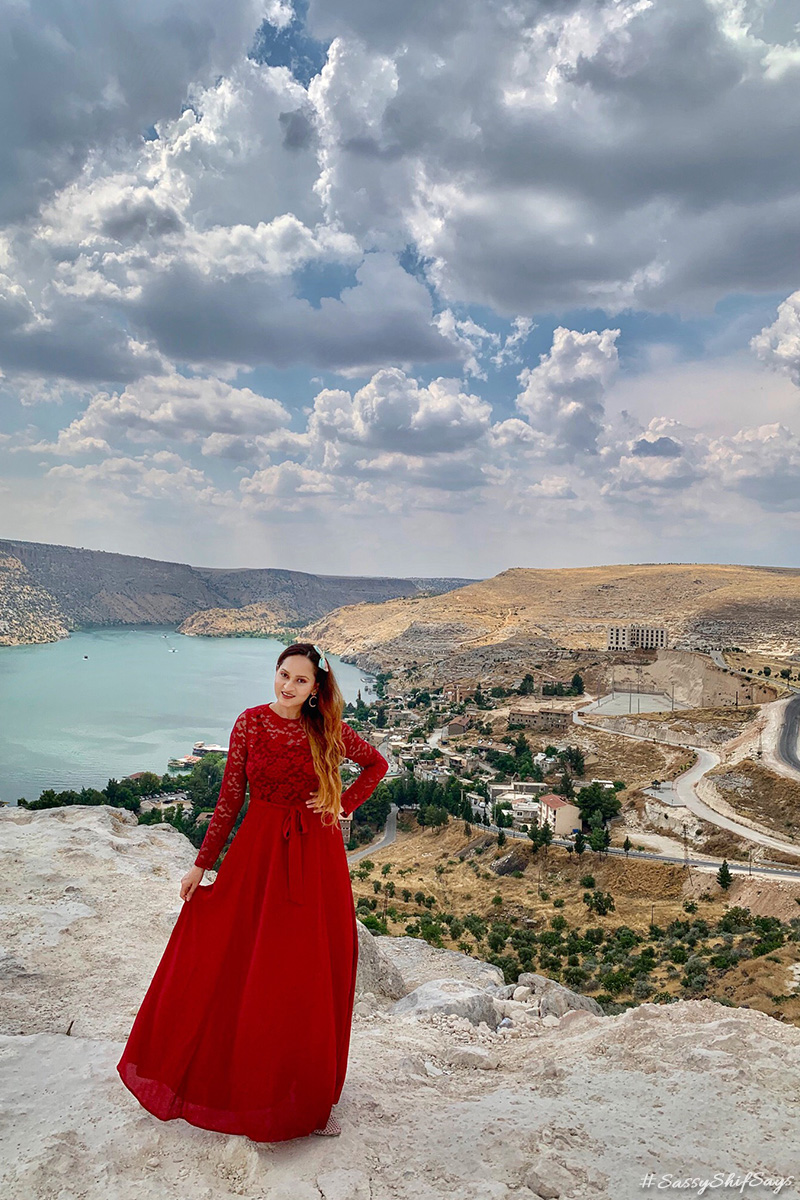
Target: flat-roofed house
x=545 y=720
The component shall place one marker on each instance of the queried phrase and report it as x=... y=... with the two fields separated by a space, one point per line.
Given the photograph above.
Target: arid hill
x=489 y=627
x=45 y=591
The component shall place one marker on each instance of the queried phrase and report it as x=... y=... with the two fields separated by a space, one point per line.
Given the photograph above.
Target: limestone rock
x=476 y=1057
x=419 y=962
x=451 y=996
x=376 y=971
x=554 y=997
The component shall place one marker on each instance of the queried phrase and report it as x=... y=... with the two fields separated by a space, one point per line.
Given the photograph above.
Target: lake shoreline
x=110 y=701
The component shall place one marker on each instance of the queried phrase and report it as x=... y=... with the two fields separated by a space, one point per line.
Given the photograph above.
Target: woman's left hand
x=312 y=801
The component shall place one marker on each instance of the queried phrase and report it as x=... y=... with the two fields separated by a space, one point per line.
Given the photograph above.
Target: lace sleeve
x=231 y=797
x=373 y=768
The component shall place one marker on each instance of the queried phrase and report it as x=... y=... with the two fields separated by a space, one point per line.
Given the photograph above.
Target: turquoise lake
x=110 y=702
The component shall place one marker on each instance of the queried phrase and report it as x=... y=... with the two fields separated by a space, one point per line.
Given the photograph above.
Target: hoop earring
x=312 y=701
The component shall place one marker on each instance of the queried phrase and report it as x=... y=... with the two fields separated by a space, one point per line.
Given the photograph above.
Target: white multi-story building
x=637 y=637
x=525 y=812
x=561 y=815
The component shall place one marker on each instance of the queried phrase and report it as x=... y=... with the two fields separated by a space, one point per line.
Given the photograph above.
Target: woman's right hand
x=191 y=881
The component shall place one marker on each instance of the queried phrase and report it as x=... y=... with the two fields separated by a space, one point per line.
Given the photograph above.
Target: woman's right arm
x=231 y=797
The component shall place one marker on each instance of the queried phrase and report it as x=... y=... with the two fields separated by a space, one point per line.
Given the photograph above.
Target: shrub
x=375 y=924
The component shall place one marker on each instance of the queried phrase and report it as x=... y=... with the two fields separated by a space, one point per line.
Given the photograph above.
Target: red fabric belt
x=295 y=822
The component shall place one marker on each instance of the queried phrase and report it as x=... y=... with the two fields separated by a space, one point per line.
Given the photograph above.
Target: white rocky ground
x=460 y=1088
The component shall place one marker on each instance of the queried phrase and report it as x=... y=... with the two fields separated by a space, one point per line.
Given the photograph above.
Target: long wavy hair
x=323 y=724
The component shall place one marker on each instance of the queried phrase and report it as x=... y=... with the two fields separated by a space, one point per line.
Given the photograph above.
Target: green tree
x=724 y=876
x=594 y=798
x=205 y=780
x=521 y=746
x=564 y=786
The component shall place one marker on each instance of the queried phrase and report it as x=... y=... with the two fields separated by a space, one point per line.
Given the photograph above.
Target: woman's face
x=294 y=682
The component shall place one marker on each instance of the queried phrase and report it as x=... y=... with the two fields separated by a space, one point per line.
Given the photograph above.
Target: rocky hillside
x=489 y=628
x=65 y=588
x=28 y=613
x=459 y=1086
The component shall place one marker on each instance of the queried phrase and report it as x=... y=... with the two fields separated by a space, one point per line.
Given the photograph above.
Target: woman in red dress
x=245 y=1027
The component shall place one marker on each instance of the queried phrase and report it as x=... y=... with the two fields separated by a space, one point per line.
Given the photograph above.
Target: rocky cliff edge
x=459 y=1085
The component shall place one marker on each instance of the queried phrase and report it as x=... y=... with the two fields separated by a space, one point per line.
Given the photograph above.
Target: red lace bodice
x=271 y=753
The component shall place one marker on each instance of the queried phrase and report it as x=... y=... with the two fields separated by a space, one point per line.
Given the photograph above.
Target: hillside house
x=458 y=692
x=525 y=812
x=560 y=814
x=515 y=789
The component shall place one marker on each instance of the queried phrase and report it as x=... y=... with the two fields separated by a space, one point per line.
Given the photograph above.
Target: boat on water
x=185 y=763
x=200 y=748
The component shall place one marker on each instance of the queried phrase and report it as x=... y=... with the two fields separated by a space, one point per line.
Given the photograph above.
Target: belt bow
x=295 y=822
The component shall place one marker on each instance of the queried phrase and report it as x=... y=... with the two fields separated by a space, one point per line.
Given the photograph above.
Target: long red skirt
x=245 y=1027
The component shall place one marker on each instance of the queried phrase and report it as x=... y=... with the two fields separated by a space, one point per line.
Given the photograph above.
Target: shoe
x=332 y=1129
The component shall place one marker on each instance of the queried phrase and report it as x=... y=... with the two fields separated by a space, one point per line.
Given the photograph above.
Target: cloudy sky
x=411 y=287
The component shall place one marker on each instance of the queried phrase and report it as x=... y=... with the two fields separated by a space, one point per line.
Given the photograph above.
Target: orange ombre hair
x=323 y=724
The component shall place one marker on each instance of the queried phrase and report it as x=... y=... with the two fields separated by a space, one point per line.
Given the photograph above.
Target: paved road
x=787 y=749
x=389 y=835
x=702 y=864
x=789 y=737
x=686 y=784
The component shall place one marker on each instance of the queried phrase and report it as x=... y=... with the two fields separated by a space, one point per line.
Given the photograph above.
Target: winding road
x=685 y=786
x=706 y=760
x=789 y=736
